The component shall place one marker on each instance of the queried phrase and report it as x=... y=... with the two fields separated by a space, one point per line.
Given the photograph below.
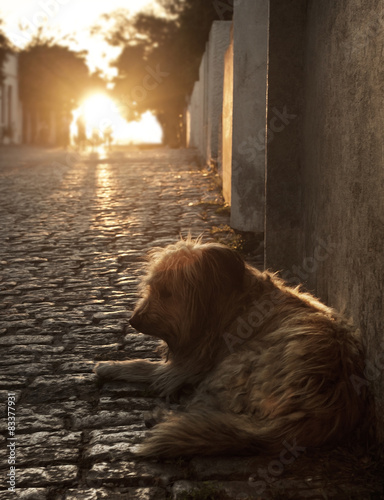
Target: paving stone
x=45 y=448
x=92 y=339
x=25 y=339
x=29 y=369
x=50 y=475
x=76 y=365
x=96 y=329
x=111 y=315
x=129 y=403
x=12 y=315
x=60 y=387
x=25 y=494
x=137 y=342
x=116 y=494
x=56 y=313
x=107 y=418
x=113 y=444
x=34 y=298
x=4 y=394
x=36 y=349
x=64 y=322
x=135 y=473
x=15 y=360
x=47 y=417
x=12 y=382
x=16 y=324
x=97 y=350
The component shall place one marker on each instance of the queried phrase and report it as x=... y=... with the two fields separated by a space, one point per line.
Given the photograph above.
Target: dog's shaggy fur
x=266 y=363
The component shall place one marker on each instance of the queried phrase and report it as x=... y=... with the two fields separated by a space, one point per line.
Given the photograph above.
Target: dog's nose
x=134 y=321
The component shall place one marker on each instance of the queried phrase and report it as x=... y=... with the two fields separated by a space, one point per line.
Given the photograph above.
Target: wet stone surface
x=73 y=236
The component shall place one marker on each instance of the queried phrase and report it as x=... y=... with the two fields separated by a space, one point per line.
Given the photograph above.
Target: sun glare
x=102 y=121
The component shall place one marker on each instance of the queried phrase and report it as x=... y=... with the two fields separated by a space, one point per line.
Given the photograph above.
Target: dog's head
x=187 y=290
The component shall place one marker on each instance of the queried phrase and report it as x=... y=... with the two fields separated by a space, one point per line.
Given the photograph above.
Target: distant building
x=10 y=105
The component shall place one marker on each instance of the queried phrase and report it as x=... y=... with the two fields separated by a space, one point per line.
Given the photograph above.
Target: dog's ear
x=224 y=266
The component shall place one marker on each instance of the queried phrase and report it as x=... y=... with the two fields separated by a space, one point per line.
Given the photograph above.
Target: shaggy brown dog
x=270 y=366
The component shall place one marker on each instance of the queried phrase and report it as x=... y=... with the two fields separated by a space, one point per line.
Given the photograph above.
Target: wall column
x=250 y=62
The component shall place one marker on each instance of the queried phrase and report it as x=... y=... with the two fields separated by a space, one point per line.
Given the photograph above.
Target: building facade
x=10 y=105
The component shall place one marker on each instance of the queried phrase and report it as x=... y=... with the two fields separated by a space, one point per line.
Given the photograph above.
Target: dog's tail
x=207 y=433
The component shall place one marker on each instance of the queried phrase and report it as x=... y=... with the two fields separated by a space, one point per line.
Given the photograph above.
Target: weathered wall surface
x=284 y=121
x=197 y=113
x=227 y=122
x=204 y=114
x=203 y=79
x=217 y=45
x=250 y=63
x=343 y=172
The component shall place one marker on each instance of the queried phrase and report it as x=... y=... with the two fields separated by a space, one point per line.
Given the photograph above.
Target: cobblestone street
x=74 y=232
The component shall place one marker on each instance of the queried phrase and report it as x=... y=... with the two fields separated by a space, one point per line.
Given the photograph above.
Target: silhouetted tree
x=52 y=75
x=160 y=59
x=53 y=81
x=4 y=47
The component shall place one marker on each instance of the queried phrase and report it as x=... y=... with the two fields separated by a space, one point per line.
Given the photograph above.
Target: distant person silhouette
x=81 y=132
x=108 y=136
x=65 y=131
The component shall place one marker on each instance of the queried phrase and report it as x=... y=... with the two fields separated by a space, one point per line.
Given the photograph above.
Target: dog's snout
x=134 y=320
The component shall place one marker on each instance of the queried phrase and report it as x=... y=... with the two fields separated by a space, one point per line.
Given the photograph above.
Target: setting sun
x=101 y=117
x=98 y=108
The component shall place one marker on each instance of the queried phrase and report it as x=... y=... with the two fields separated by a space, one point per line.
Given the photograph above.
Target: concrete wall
x=196 y=113
x=217 y=45
x=203 y=79
x=206 y=102
x=343 y=171
x=250 y=51
x=194 y=117
x=242 y=69
x=325 y=175
x=10 y=106
x=284 y=123
x=227 y=123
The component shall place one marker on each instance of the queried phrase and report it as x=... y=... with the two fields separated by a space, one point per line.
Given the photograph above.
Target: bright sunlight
x=98 y=121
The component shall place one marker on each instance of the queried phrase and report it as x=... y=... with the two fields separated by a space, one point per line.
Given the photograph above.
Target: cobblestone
x=73 y=238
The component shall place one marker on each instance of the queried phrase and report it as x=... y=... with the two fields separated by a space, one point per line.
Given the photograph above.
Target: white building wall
x=10 y=105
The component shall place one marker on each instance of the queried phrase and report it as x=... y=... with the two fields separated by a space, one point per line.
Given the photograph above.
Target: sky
x=66 y=17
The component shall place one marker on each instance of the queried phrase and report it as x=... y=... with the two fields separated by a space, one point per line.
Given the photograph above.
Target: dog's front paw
x=107 y=370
